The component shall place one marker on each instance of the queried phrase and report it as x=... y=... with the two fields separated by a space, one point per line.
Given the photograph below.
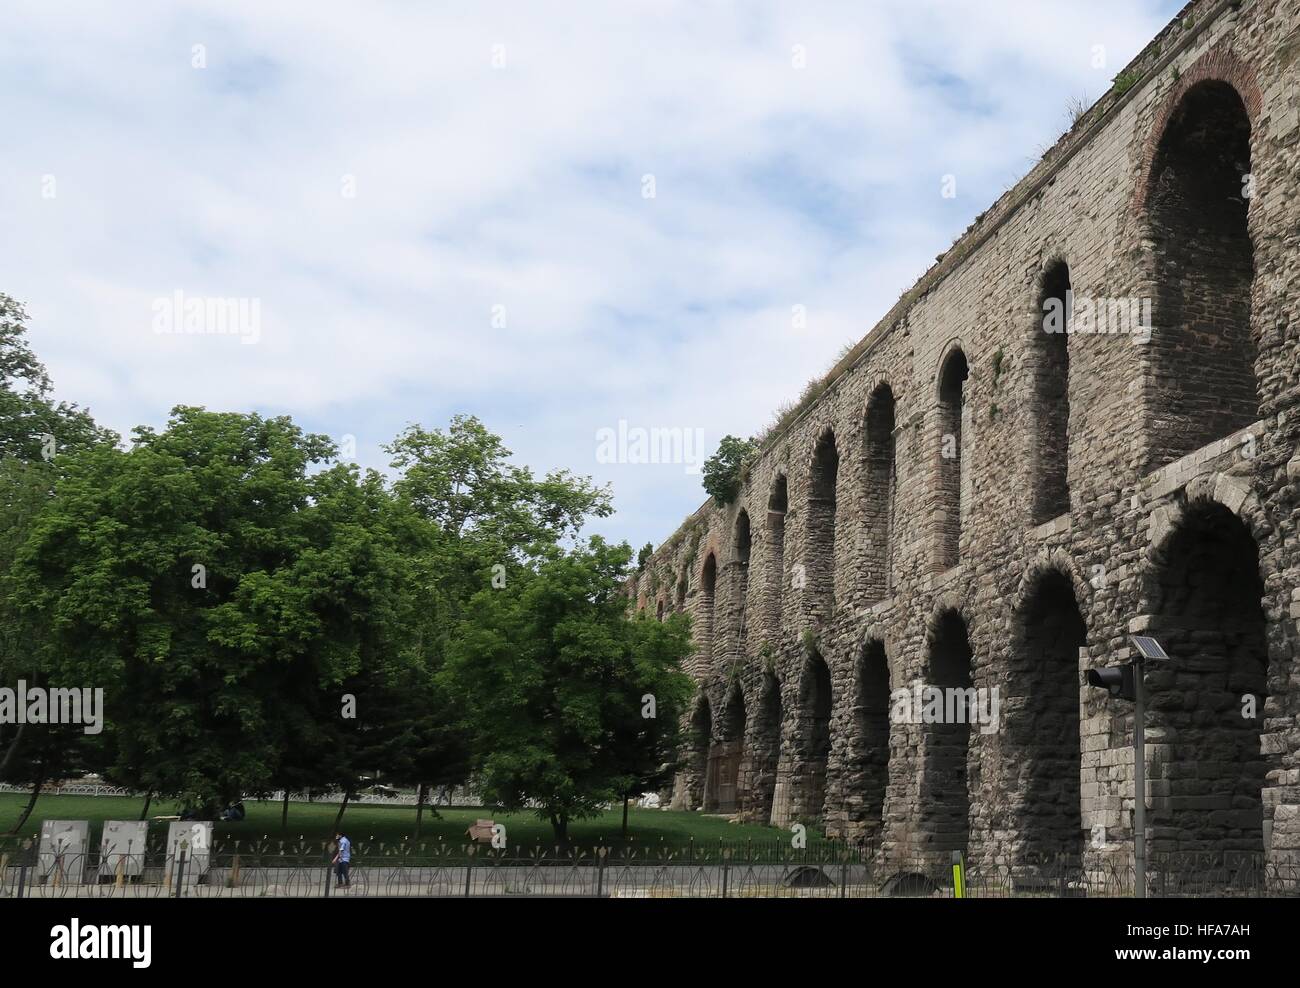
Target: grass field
x=390 y=824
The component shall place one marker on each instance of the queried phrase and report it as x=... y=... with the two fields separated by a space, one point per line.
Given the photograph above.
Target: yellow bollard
x=958 y=876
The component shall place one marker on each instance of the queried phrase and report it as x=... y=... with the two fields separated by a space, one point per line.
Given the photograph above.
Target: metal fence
x=740 y=870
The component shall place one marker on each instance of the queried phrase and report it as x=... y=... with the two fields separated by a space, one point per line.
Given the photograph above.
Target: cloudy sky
x=554 y=216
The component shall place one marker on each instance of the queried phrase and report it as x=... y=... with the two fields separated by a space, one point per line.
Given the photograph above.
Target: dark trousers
x=341 y=870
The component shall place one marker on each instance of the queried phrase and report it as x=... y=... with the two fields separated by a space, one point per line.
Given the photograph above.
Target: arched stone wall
x=1086 y=202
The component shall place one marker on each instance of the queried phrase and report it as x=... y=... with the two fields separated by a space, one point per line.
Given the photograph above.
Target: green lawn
x=390 y=824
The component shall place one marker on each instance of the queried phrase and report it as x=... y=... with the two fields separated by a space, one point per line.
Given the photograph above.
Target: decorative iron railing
x=688 y=870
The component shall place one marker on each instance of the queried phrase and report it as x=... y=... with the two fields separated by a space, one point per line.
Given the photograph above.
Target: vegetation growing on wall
x=722 y=471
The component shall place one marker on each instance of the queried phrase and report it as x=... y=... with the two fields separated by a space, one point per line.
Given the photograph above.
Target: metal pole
x=180 y=871
x=958 y=875
x=1139 y=779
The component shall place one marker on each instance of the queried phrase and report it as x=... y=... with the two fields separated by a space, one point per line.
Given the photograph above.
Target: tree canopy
x=571 y=704
x=263 y=616
x=722 y=471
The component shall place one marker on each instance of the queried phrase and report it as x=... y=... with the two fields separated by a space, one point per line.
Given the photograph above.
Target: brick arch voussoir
x=709 y=547
x=943 y=604
x=702 y=699
x=881 y=378
x=894 y=665
x=823 y=428
x=728 y=692
x=1053 y=258
x=1233 y=493
x=868 y=632
x=1045 y=563
x=802 y=669
x=733 y=548
x=1219 y=64
x=949 y=347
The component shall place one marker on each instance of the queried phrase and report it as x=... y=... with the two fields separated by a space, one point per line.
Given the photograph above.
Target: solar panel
x=1148 y=648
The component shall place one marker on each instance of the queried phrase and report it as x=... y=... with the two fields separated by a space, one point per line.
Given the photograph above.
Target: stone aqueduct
x=977 y=502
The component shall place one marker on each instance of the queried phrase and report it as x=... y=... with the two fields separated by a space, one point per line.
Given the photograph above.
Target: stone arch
x=778 y=504
x=868 y=776
x=699 y=739
x=1234 y=493
x=1047 y=562
x=819 y=537
x=1201 y=358
x=1219 y=64
x=1203 y=596
x=764 y=745
x=945 y=774
x=728 y=768
x=709 y=573
x=1041 y=746
x=811 y=739
x=1050 y=403
x=707 y=608
x=880 y=485
x=952 y=473
x=949 y=601
x=742 y=544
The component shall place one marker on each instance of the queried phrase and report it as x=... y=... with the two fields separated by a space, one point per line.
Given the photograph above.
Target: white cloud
x=517 y=186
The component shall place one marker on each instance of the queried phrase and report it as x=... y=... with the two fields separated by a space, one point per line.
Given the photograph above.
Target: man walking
x=343 y=861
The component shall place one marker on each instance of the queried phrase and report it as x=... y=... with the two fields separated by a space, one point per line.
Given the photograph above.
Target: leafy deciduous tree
x=555 y=683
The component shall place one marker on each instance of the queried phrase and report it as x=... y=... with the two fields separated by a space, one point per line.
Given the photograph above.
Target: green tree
x=35 y=434
x=34 y=428
x=722 y=470
x=478 y=522
x=223 y=580
x=555 y=683
x=462 y=481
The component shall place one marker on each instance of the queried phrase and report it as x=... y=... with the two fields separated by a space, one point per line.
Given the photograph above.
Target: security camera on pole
x=1125 y=682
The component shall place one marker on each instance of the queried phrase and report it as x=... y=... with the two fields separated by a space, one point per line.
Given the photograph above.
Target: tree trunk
x=338 y=820
x=560 y=824
x=624 y=816
x=284 y=812
x=31 y=803
x=12 y=749
x=148 y=798
x=419 y=807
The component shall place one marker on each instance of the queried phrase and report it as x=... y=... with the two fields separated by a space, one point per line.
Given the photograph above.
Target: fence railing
x=296 y=870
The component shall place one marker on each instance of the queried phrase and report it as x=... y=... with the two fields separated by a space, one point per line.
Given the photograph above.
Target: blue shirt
x=345 y=849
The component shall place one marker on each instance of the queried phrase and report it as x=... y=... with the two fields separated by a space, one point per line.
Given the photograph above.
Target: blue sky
x=498 y=156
